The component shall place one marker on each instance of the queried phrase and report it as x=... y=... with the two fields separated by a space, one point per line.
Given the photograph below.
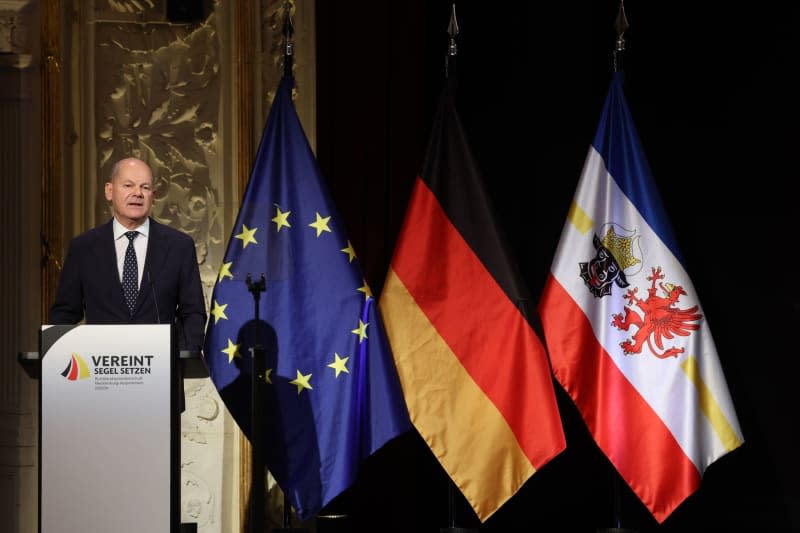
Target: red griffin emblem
x=659 y=319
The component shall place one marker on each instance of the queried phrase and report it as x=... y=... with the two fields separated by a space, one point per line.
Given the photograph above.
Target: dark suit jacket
x=90 y=287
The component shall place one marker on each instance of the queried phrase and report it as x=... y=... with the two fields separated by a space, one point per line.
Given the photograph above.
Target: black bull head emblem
x=601 y=271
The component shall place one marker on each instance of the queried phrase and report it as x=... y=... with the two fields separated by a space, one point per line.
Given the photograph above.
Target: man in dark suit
x=133 y=270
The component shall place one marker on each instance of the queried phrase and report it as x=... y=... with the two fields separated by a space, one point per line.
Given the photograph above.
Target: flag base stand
x=333 y=523
x=456 y=502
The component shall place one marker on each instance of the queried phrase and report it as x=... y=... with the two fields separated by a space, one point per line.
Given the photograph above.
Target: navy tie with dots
x=130 y=272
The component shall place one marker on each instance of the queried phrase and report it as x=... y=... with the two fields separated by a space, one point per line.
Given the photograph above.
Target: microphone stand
x=257 y=426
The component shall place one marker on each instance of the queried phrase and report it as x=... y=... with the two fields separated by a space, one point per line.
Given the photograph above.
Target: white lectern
x=108 y=445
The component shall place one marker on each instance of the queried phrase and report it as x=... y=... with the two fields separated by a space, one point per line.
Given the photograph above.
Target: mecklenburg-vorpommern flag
x=474 y=374
x=627 y=337
x=333 y=395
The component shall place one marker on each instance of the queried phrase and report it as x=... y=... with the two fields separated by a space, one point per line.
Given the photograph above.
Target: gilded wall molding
x=51 y=236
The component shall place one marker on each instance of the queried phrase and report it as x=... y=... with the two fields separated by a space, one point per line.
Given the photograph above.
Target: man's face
x=131 y=193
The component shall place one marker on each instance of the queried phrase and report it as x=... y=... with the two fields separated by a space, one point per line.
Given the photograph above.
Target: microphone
x=155 y=300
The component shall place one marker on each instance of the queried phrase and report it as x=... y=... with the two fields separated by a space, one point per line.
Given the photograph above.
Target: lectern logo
x=76 y=368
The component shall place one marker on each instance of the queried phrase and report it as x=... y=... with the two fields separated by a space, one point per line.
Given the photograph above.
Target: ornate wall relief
x=158 y=96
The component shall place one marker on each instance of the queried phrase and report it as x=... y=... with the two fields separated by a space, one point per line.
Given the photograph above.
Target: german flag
x=474 y=374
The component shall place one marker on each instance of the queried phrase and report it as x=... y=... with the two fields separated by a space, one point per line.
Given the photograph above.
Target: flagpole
x=450 y=77
x=452 y=48
x=288 y=55
x=620 y=25
x=288 y=44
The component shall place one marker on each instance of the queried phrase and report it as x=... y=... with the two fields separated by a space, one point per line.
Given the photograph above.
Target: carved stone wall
x=158 y=96
x=16 y=29
x=209 y=458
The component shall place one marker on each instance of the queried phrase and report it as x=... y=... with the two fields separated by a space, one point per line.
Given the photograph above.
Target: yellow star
x=247 y=236
x=302 y=382
x=281 y=219
x=349 y=251
x=339 y=364
x=321 y=224
x=267 y=376
x=231 y=351
x=225 y=271
x=366 y=290
x=361 y=331
x=218 y=311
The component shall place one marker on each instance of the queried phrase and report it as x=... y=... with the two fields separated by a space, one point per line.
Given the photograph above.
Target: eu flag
x=333 y=395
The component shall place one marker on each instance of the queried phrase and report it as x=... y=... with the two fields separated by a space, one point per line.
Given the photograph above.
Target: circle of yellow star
x=225 y=271
x=351 y=253
x=321 y=224
x=366 y=290
x=339 y=364
x=231 y=351
x=302 y=382
x=361 y=331
x=247 y=236
x=268 y=375
x=281 y=219
x=218 y=311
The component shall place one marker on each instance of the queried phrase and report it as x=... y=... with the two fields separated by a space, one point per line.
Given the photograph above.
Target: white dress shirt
x=139 y=245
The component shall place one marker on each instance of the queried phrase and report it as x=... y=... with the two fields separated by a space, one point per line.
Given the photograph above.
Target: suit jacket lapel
x=106 y=263
x=156 y=254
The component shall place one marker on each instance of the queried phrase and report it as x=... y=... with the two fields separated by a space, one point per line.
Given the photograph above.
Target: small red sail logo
x=76 y=368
